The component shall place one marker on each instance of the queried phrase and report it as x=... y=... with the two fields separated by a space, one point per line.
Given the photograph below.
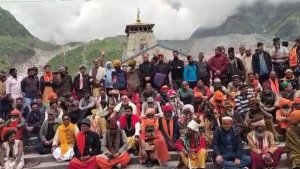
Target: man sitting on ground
x=86 y=148
x=114 y=148
x=264 y=152
x=227 y=146
x=47 y=133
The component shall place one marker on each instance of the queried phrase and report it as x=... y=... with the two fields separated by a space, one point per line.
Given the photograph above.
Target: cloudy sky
x=83 y=20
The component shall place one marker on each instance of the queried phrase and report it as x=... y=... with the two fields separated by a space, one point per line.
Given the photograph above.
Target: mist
x=83 y=20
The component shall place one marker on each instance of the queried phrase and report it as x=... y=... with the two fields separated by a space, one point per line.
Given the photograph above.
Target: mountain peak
x=11 y=27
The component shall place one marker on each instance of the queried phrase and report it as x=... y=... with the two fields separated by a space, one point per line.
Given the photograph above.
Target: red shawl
x=165 y=127
x=48 y=77
x=123 y=121
x=80 y=140
x=274 y=85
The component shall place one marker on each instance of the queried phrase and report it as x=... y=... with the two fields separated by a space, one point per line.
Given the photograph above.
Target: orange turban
x=295 y=116
x=15 y=112
x=296 y=100
x=198 y=95
x=52 y=96
x=219 y=96
x=150 y=111
x=284 y=101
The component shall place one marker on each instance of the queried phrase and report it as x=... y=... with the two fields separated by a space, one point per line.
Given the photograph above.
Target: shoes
x=149 y=164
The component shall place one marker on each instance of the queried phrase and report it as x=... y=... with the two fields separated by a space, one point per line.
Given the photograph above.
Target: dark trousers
x=280 y=69
x=5 y=108
x=176 y=84
x=205 y=80
x=263 y=78
x=43 y=149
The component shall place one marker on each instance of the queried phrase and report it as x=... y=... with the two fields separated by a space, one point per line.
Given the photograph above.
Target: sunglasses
x=51 y=114
x=67 y=119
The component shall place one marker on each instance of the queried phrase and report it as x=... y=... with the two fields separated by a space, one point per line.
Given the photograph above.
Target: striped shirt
x=242 y=103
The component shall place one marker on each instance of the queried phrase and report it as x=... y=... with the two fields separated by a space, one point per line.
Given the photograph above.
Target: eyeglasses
x=66 y=119
x=50 y=114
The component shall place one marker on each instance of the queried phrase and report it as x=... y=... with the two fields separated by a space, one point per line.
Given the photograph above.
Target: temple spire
x=138 y=20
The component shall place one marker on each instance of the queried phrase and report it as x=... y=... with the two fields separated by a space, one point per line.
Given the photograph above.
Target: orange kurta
x=161 y=152
x=105 y=163
x=75 y=163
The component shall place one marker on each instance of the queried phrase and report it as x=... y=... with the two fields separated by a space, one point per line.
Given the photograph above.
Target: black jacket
x=86 y=82
x=92 y=145
x=146 y=70
x=177 y=67
x=256 y=64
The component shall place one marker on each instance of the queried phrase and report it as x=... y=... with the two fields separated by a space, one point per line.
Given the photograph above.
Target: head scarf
x=198 y=95
x=15 y=112
x=295 y=116
x=284 y=101
x=296 y=100
x=167 y=108
x=171 y=93
x=219 y=96
x=150 y=111
x=117 y=63
x=258 y=123
x=284 y=85
x=188 y=107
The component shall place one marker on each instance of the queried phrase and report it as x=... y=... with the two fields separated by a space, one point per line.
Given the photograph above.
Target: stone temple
x=141 y=39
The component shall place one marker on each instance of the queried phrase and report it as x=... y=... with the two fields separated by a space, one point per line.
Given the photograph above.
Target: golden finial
x=138 y=20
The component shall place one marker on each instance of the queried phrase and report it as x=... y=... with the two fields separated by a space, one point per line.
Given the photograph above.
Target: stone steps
x=48 y=162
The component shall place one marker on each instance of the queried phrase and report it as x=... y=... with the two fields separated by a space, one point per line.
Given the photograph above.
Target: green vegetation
x=282 y=20
x=16 y=43
x=84 y=54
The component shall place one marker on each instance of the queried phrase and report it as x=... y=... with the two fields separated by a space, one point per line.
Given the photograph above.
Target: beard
x=230 y=112
x=286 y=111
x=259 y=134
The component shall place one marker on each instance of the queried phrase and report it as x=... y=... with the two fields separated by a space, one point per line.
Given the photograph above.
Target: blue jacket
x=190 y=73
x=224 y=146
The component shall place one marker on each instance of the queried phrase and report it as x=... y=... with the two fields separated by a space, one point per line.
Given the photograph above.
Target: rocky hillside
x=281 y=20
x=17 y=44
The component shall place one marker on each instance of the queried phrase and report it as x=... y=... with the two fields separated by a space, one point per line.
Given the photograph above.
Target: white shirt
x=247 y=61
x=13 y=87
x=118 y=107
x=282 y=51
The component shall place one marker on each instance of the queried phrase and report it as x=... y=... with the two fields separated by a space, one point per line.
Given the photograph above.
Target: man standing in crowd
x=30 y=86
x=97 y=74
x=295 y=57
x=218 y=65
x=190 y=72
x=108 y=83
x=261 y=63
x=146 y=70
x=161 y=72
x=236 y=66
x=81 y=82
x=203 y=70
x=13 y=85
x=5 y=103
x=119 y=76
x=247 y=61
x=280 y=58
x=63 y=83
x=177 y=67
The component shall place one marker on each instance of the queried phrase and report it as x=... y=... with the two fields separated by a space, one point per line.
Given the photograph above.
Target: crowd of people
x=98 y=118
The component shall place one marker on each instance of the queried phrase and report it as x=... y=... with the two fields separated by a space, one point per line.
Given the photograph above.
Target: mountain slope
x=17 y=44
x=84 y=54
x=261 y=18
